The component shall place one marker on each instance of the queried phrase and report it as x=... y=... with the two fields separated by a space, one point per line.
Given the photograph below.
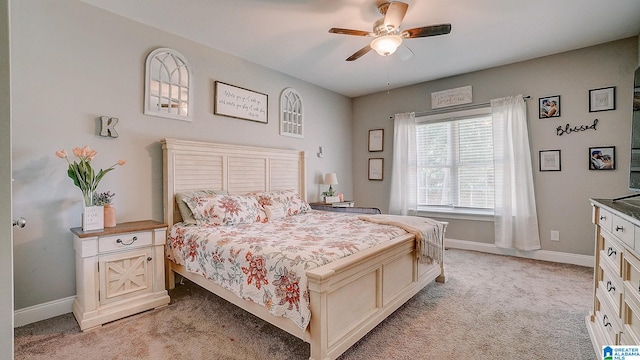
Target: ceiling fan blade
x=425 y=31
x=394 y=15
x=349 y=32
x=359 y=53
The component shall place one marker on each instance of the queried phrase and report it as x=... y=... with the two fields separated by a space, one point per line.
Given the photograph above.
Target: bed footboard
x=351 y=296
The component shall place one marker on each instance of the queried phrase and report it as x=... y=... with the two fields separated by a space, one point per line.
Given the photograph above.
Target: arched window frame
x=168 y=91
x=291 y=119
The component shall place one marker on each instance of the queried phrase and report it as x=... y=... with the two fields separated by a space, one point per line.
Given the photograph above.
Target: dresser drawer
x=605 y=219
x=631 y=320
x=124 y=241
x=607 y=320
x=612 y=287
x=631 y=276
x=623 y=230
x=611 y=252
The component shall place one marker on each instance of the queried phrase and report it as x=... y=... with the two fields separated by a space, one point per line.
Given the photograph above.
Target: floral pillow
x=185 y=212
x=226 y=209
x=292 y=202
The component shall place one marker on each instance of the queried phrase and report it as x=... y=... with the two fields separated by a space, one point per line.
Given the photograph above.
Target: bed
x=346 y=297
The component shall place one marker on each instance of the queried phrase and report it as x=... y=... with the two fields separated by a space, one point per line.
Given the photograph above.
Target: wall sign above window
x=452 y=97
x=167 y=85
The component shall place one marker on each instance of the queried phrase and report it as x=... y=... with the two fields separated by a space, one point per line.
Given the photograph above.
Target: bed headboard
x=239 y=169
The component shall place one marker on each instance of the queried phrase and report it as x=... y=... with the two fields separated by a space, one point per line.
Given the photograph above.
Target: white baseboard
x=44 y=311
x=545 y=255
x=63 y=306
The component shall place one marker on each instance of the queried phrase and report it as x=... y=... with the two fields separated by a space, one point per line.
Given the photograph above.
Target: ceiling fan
x=387 y=35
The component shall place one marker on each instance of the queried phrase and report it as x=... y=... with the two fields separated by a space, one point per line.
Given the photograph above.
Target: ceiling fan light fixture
x=386 y=45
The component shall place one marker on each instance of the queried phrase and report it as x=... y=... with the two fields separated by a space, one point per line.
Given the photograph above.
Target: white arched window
x=291 y=113
x=168 y=85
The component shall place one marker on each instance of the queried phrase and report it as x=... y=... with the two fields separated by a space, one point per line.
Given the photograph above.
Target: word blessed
x=568 y=129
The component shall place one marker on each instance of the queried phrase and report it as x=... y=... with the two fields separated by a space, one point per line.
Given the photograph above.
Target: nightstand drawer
x=124 y=241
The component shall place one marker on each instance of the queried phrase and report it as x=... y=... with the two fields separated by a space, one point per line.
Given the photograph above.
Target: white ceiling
x=291 y=36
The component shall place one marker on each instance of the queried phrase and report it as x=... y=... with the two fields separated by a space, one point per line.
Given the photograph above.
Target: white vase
x=93 y=218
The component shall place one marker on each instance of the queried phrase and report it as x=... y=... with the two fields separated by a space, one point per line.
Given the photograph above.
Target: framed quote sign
x=236 y=102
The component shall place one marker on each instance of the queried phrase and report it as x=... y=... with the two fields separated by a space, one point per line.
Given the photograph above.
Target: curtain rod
x=455 y=108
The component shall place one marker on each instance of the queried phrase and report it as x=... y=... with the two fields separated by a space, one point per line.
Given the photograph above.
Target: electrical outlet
x=555 y=235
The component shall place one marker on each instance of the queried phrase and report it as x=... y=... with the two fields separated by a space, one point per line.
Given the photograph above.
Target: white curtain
x=516 y=220
x=404 y=175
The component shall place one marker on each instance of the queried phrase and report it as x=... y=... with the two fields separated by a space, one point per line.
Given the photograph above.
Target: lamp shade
x=386 y=45
x=330 y=179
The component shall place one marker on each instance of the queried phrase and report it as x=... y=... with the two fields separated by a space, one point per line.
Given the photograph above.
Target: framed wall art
x=549 y=160
x=602 y=158
x=603 y=99
x=236 y=102
x=376 y=140
x=549 y=107
x=376 y=168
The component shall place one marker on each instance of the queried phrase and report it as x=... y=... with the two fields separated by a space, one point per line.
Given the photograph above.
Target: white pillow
x=275 y=211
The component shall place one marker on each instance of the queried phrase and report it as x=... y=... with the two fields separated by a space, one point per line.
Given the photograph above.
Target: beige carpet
x=492 y=307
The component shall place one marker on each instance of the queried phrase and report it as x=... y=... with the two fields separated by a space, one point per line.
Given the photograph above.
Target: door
x=6 y=230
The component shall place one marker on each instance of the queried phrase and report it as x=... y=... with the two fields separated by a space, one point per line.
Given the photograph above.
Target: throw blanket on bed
x=428 y=233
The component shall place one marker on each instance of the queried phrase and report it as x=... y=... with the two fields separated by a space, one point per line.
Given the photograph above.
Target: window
x=455 y=162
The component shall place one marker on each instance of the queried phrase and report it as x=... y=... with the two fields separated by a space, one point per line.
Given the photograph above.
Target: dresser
x=615 y=316
x=119 y=271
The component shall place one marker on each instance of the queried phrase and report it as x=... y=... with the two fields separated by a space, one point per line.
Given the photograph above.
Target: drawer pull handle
x=611 y=251
x=119 y=241
x=610 y=287
x=605 y=321
x=619 y=228
x=603 y=218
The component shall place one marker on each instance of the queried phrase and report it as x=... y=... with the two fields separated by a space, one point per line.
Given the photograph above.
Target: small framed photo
x=602 y=158
x=550 y=160
x=376 y=168
x=549 y=107
x=376 y=140
x=603 y=99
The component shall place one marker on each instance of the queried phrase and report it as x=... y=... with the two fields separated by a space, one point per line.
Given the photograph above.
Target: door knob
x=21 y=222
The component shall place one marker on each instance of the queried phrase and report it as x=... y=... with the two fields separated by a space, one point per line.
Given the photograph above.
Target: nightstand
x=119 y=271
x=347 y=209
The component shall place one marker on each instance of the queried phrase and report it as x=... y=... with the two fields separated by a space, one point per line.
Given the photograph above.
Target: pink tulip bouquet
x=82 y=173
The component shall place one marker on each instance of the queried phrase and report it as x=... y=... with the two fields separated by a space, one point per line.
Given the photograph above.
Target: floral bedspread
x=267 y=262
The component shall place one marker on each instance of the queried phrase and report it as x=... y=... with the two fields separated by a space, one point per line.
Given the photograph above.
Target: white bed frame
x=349 y=297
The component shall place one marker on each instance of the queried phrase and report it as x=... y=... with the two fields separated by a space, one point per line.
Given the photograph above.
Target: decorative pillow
x=292 y=202
x=185 y=212
x=226 y=210
x=275 y=211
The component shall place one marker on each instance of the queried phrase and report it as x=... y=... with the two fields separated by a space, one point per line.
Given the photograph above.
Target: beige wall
x=562 y=197
x=72 y=63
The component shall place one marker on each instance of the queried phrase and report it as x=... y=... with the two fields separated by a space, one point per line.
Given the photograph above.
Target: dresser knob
x=603 y=218
x=119 y=241
x=149 y=258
